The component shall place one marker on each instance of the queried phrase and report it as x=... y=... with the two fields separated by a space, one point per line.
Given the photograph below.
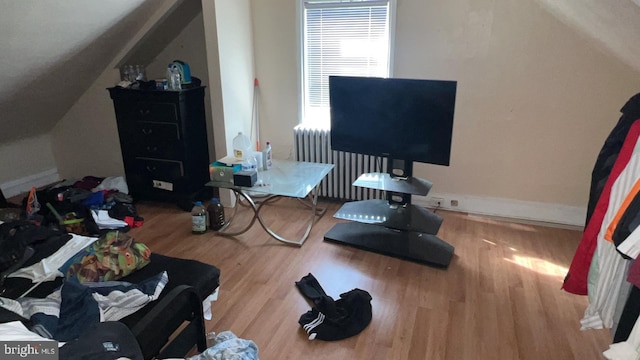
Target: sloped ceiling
x=614 y=25
x=52 y=51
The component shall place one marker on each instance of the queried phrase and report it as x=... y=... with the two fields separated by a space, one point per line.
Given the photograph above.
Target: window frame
x=300 y=28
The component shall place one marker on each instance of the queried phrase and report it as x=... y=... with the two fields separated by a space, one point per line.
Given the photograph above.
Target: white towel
x=47 y=269
x=104 y=221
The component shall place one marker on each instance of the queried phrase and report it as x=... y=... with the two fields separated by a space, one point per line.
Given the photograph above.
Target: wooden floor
x=499 y=299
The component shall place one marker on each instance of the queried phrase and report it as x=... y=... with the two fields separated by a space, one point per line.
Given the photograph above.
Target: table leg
x=229 y=220
x=312 y=203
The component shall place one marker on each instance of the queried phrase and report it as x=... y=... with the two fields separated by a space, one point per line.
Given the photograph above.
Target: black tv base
x=393 y=227
x=415 y=246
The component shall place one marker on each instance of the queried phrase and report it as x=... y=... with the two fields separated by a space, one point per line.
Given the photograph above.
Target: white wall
x=229 y=48
x=217 y=126
x=535 y=100
x=235 y=51
x=26 y=163
x=276 y=67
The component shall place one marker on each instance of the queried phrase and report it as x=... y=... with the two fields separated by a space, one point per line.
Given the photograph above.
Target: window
x=348 y=37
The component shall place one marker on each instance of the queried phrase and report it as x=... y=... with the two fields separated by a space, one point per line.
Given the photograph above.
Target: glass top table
x=286 y=178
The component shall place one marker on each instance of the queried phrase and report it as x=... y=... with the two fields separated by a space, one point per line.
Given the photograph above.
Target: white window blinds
x=340 y=38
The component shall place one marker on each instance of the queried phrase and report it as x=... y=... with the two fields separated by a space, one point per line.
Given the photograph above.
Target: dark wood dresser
x=163 y=138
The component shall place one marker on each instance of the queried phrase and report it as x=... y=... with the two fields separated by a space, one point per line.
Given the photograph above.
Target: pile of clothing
x=90 y=268
x=84 y=207
x=605 y=265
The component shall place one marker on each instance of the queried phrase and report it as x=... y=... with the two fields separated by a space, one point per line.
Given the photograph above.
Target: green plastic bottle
x=198 y=218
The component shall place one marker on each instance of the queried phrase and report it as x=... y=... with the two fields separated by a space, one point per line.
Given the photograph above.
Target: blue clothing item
x=78 y=309
x=94 y=201
x=63 y=315
x=229 y=347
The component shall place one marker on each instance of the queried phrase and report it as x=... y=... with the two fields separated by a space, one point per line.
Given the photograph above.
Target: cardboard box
x=219 y=171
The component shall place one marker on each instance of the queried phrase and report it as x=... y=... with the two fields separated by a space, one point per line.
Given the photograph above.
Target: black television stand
x=393 y=226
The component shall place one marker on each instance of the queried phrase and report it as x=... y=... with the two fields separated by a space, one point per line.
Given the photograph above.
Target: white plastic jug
x=241 y=146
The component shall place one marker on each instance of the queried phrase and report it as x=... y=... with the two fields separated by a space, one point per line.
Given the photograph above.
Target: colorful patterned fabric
x=111 y=257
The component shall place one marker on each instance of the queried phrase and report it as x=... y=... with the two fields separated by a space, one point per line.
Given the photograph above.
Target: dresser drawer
x=154 y=179
x=157 y=140
x=152 y=111
x=157 y=169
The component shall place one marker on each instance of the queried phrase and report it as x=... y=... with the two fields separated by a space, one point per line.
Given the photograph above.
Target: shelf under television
x=401 y=217
x=423 y=248
x=384 y=181
x=396 y=229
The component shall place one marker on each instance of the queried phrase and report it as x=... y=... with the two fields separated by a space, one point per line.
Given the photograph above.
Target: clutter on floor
x=87 y=207
x=331 y=320
x=68 y=266
x=227 y=346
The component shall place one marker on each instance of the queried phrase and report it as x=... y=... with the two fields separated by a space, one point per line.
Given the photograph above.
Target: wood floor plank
x=499 y=299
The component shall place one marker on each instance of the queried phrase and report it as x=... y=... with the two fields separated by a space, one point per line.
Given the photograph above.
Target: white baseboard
x=23 y=185
x=507 y=208
x=481 y=205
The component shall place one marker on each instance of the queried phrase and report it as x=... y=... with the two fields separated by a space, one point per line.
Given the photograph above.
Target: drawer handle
x=144 y=112
x=147 y=131
x=152 y=149
x=151 y=168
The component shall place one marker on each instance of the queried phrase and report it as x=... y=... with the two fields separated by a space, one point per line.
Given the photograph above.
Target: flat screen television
x=402 y=119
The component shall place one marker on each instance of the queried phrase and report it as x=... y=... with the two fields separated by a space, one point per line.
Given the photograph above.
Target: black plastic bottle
x=216 y=214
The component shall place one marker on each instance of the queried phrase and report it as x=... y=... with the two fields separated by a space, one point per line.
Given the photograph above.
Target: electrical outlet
x=454 y=203
x=435 y=202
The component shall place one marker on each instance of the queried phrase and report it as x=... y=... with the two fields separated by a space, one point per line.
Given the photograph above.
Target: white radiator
x=314 y=145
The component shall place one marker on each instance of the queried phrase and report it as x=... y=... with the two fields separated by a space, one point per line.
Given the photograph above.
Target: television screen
x=404 y=119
